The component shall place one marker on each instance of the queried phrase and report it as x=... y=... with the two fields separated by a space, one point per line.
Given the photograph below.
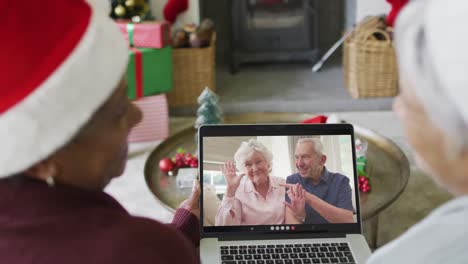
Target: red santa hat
x=60 y=61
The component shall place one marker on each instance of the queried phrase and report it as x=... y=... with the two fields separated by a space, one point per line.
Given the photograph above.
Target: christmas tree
x=208 y=111
x=136 y=10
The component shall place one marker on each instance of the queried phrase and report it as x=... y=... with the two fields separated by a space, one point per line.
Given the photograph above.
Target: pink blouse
x=250 y=208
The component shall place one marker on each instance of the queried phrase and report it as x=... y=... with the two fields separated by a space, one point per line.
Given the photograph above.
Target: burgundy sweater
x=61 y=224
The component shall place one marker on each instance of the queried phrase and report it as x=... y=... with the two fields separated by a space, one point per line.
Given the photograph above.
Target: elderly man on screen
x=327 y=196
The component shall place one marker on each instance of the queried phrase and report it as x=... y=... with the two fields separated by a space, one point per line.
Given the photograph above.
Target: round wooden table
x=387 y=167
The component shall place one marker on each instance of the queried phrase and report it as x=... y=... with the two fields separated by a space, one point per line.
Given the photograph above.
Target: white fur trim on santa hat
x=52 y=115
x=431 y=39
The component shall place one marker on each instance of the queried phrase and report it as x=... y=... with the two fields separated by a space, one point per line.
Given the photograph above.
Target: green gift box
x=149 y=72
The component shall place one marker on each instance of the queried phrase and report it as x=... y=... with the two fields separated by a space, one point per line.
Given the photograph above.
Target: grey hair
x=318 y=145
x=248 y=147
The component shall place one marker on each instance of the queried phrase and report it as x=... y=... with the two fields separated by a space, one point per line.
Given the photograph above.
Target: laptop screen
x=278 y=178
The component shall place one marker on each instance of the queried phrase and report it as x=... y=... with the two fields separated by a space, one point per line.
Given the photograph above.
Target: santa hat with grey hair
x=431 y=38
x=58 y=67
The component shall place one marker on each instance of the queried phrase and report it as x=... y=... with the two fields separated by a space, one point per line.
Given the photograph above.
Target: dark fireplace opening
x=252 y=31
x=273 y=30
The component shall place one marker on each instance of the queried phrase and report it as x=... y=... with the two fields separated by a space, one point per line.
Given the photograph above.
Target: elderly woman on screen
x=64 y=122
x=252 y=197
x=431 y=38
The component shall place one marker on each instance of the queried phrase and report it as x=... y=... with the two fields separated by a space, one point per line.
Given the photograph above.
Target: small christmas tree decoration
x=208 y=111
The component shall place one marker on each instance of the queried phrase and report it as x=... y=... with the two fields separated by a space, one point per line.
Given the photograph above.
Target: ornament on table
x=361 y=163
x=166 y=165
x=182 y=159
x=135 y=10
x=208 y=112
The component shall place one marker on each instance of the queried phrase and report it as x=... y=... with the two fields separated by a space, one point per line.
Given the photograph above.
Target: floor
x=286 y=88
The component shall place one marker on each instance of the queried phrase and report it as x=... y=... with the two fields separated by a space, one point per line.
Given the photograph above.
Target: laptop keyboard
x=287 y=254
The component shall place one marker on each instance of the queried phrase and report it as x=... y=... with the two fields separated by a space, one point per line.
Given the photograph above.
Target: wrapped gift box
x=155 y=122
x=154 y=34
x=149 y=72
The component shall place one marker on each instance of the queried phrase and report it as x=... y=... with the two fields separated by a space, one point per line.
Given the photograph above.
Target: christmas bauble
x=194 y=163
x=119 y=11
x=166 y=165
x=136 y=19
x=130 y=3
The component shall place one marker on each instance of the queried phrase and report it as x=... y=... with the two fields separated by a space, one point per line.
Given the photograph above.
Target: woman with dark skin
x=64 y=133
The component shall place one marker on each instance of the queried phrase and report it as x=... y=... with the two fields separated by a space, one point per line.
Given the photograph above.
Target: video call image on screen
x=278 y=180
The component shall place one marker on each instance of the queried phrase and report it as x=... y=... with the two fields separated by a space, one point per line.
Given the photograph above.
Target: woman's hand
x=232 y=179
x=193 y=202
x=297 y=196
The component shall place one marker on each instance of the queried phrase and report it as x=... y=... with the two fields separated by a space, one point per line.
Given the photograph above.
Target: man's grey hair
x=318 y=145
x=248 y=147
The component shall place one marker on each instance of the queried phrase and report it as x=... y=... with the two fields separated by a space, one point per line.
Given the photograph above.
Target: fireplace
x=273 y=30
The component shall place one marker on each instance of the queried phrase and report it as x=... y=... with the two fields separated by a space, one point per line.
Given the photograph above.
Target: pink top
x=250 y=208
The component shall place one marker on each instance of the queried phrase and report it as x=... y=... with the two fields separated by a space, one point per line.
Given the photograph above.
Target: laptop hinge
x=281 y=236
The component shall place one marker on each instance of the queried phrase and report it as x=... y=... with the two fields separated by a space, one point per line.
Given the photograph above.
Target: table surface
x=387 y=165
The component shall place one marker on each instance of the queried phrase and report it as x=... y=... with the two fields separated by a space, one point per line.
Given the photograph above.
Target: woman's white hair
x=318 y=145
x=430 y=38
x=248 y=147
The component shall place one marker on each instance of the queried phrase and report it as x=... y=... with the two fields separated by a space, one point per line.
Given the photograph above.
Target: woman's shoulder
x=439 y=238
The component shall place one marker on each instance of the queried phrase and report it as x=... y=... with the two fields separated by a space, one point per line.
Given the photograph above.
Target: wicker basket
x=369 y=63
x=194 y=69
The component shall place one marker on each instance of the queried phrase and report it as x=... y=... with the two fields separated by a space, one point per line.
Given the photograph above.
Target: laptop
x=251 y=224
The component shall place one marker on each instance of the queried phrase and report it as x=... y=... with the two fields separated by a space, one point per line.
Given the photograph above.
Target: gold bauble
x=130 y=3
x=119 y=11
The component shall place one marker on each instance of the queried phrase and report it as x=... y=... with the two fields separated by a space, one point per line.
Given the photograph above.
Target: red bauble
x=166 y=165
x=179 y=163
x=365 y=184
x=188 y=159
x=194 y=163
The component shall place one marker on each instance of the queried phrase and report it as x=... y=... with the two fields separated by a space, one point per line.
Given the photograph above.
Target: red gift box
x=153 y=34
x=155 y=123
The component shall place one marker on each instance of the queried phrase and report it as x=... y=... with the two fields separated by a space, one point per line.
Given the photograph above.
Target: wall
x=371 y=7
x=192 y=15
